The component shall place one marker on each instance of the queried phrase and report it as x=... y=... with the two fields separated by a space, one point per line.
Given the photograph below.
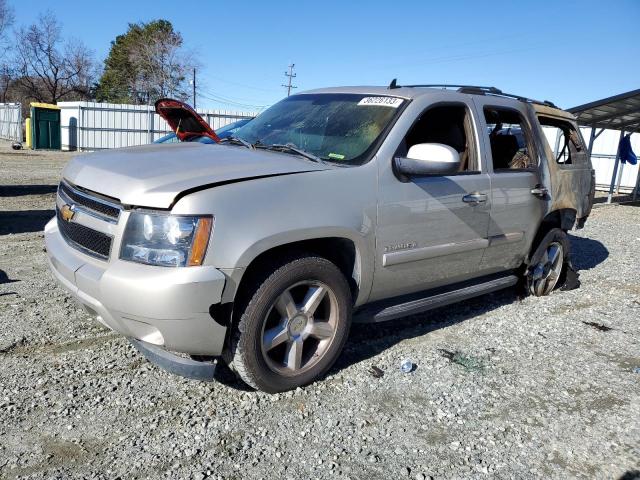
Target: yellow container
x=27 y=128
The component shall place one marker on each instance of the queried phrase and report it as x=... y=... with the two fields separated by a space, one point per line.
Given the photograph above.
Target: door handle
x=539 y=191
x=475 y=198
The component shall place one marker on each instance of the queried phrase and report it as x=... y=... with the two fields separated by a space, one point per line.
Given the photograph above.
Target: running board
x=423 y=301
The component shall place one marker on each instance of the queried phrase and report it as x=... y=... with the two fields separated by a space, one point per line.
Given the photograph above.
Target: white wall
x=11 y=121
x=95 y=126
x=603 y=156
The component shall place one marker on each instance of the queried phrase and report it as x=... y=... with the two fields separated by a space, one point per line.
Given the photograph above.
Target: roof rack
x=476 y=90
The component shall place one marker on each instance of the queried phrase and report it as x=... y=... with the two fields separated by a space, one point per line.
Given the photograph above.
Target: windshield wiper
x=293 y=148
x=238 y=141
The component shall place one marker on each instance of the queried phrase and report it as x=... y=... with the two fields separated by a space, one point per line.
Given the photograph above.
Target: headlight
x=166 y=240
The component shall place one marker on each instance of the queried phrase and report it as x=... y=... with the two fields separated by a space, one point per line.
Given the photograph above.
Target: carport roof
x=620 y=112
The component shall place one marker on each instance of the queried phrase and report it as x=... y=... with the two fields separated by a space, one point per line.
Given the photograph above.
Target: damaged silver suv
x=363 y=203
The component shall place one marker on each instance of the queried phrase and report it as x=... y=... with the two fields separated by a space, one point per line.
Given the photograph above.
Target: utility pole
x=194 y=88
x=291 y=75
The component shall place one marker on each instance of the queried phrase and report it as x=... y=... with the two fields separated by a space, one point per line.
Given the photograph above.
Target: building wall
x=96 y=126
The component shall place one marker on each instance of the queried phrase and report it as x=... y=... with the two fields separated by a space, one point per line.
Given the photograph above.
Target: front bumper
x=162 y=306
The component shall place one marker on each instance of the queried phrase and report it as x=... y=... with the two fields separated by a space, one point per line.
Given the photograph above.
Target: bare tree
x=48 y=68
x=7 y=72
x=7 y=18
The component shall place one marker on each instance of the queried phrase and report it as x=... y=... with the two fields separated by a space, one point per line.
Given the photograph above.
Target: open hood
x=184 y=120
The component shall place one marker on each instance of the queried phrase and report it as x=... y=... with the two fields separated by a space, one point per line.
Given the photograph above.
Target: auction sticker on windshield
x=392 y=102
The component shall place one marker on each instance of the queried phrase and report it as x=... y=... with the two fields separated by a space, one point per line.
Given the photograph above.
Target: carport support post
x=619 y=179
x=615 y=169
x=592 y=139
x=557 y=146
x=635 y=188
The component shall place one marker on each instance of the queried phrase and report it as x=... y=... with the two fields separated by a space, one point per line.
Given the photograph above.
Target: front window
x=341 y=128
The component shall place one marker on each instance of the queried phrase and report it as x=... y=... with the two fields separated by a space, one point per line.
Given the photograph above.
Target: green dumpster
x=45 y=126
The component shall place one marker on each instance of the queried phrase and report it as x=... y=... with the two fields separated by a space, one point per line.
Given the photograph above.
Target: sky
x=569 y=52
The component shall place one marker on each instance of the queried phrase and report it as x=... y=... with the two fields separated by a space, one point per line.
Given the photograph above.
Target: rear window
x=563 y=141
x=509 y=139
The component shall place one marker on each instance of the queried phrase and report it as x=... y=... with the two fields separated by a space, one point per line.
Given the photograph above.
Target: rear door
x=570 y=172
x=518 y=198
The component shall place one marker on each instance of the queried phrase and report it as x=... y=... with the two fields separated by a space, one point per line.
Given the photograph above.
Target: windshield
x=341 y=128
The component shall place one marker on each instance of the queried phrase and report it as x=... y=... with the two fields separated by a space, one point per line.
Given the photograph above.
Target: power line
x=243 y=101
x=226 y=101
x=244 y=85
x=217 y=98
x=291 y=75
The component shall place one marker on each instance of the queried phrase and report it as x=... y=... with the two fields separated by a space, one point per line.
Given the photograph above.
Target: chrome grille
x=85 y=239
x=93 y=205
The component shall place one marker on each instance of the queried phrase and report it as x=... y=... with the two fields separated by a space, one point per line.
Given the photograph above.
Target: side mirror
x=429 y=159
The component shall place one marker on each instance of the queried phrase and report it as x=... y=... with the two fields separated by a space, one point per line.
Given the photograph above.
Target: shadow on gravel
x=631 y=475
x=24 y=221
x=21 y=190
x=587 y=253
x=4 y=278
x=368 y=340
x=225 y=376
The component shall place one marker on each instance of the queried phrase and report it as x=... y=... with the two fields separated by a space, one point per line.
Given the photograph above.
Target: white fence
x=603 y=157
x=11 y=121
x=97 y=126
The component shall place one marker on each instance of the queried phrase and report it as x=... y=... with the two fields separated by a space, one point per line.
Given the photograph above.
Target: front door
x=432 y=230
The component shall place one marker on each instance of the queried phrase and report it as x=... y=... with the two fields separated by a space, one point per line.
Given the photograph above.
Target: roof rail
x=500 y=93
x=476 y=90
x=460 y=88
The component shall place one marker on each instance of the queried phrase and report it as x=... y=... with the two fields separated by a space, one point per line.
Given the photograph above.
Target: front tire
x=293 y=324
x=547 y=262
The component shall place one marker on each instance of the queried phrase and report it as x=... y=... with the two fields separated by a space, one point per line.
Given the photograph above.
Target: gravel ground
x=503 y=388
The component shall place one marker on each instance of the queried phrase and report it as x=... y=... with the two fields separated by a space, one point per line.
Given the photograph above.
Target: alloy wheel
x=546 y=273
x=299 y=327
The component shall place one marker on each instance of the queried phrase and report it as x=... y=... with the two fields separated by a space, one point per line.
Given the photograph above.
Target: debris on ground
x=407 y=366
x=376 y=372
x=470 y=363
x=7 y=346
x=598 y=326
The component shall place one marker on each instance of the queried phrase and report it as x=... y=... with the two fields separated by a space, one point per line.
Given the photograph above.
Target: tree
x=7 y=72
x=6 y=20
x=146 y=63
x=48 y=68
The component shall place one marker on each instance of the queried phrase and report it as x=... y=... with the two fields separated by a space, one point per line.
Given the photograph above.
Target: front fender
x=252 y=217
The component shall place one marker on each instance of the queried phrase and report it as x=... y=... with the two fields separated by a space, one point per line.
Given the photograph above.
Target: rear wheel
x=294 y=324
x=547 y=262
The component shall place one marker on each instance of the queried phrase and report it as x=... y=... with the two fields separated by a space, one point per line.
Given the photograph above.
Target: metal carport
x=620 y=112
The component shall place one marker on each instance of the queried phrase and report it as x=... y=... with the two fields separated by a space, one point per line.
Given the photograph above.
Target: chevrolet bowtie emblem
x=67 y=212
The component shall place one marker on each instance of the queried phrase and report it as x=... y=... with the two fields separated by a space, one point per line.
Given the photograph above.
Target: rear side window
x=510 y=140
x=563 y=140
